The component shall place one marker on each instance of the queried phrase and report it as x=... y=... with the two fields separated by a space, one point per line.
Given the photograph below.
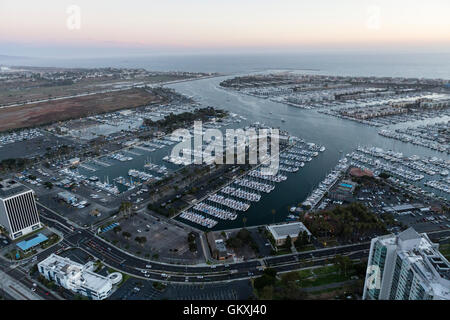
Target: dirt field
x=47 y=112
x=20 y=91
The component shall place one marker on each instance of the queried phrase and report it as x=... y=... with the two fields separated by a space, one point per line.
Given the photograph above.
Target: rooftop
x=220 y=245
x=9 y=188
x=281 y=231
x=409 y=234
x=78 y=274
x=30 y=243
x=401 y=207
x=425 y=260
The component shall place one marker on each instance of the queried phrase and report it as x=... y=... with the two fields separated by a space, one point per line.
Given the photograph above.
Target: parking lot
x=238 y=290
x=382 y=198
x=424 y=222
x=164 y=240
x=134 y=289
x=33 y=147
x=89 y=215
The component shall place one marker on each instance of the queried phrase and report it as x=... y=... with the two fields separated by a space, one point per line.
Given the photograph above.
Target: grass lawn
x=320 y=276
x=303 y=274
x=125 y=276
x=325 y=279
x=330 y=243
x=23 y=255
x=326 y=270
x=308 y=247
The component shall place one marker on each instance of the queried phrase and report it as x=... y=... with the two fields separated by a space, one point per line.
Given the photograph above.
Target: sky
x=83 y=28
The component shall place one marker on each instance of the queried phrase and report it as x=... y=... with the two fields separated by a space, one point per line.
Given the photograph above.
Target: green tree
x=288 y=242
x=125 y=207
x=48 y=185
x=343 y=262
x=126 y=235
x=302 y=239
x=141 y=240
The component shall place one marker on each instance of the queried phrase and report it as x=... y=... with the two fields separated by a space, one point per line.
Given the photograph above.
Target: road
x=86 y=240
x=123 y=88
x=116 y=258
x=18 y=285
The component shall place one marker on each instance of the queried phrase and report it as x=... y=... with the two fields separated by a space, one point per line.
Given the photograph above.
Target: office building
x=18 y=212
x=407 y=266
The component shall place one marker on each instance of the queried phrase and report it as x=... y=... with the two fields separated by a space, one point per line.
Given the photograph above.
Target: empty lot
x=37 y=114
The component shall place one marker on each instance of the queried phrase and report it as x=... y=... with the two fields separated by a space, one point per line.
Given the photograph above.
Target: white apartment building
x=407 y=266
x=78 y=278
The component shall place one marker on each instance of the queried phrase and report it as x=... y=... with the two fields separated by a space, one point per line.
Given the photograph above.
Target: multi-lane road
x=116 y=258
x=86 y=240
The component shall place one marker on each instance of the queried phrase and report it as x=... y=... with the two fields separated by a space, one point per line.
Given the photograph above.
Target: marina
x=434 y=136
x=340 y=137
x=198 y=219
x=324 y=186
x=241 y=192
x=419 y=171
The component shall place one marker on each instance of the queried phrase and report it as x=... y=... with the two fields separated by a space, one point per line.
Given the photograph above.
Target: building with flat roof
x=402 y=208
x=281 y=231
x=74 y=161
x=67 y=197
x=28 y=244
x=359 y=172
x=76 y=277
x=407 y=266
x=222 y=252
x=18 y=211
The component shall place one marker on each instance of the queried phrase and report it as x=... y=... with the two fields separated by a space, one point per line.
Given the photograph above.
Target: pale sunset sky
x=47 y=27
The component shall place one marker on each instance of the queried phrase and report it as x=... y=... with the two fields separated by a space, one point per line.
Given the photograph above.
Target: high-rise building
x=18 y=212
x=407 y=266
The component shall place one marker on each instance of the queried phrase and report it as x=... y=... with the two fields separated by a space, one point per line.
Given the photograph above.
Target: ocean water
x=436 y=65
